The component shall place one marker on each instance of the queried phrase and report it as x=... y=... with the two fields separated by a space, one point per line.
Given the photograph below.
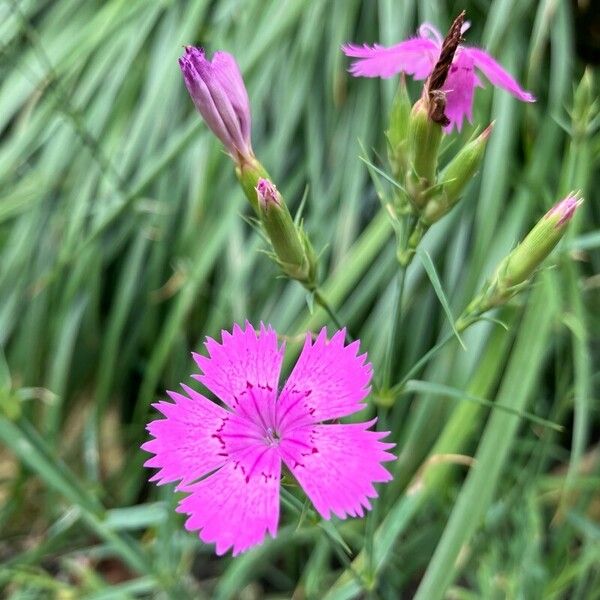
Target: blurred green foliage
x=122 y=244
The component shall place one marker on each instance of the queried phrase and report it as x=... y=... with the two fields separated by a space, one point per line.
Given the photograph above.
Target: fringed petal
x=330 y=380
x=184 y=444
x=243 y=359
x=460 y=87
x=337 y=465
x=497 y=75
x=234 y=508
x=416 y=57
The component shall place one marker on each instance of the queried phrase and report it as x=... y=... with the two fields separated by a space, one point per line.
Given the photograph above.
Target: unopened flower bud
x=516 y=269
x=292 y=248
x=219 y=93
x=455 y=177
x=520 y=264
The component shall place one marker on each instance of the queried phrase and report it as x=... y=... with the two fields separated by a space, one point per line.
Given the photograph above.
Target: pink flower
x=418 y=56
x=267 y=193
x=228 y=458
x=219 y=93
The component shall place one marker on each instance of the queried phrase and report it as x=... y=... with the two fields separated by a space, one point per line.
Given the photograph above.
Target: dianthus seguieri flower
x=228 y=459
x=219 y=93
x=419 y=56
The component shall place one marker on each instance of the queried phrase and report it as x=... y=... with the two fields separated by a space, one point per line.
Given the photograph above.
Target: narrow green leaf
x=438 y=389
x=439 y=290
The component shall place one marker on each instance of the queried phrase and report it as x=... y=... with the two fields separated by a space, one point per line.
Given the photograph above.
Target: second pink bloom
x=417 y=57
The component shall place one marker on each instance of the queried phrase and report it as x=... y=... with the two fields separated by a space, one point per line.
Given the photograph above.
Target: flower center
x=272 y=437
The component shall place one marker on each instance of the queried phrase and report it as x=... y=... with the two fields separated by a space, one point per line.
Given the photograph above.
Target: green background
x=123 y=244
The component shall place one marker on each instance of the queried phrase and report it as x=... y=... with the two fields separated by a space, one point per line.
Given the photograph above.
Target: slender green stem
x=289 y=500
x=461 y=325
x=322 y=302
x=369 y=551
x=340 y=549
x=392 y=341
x=418 y=230
x=392 y=347
x=423 y=361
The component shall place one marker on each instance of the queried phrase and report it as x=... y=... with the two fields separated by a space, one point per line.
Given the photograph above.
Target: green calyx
x=292 y=249
x=424 y=139
x=249 y=173
x=516 y=270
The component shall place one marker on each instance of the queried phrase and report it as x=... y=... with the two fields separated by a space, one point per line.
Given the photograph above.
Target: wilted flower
x=228 y=459
x=219 y=93
x=418 y=57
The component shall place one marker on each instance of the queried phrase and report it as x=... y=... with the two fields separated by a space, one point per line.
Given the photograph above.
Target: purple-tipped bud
x=293 y=250
x=267 y=194
x=218 y=91
x=520 y=265
x=564 y=210
x=487 y=132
